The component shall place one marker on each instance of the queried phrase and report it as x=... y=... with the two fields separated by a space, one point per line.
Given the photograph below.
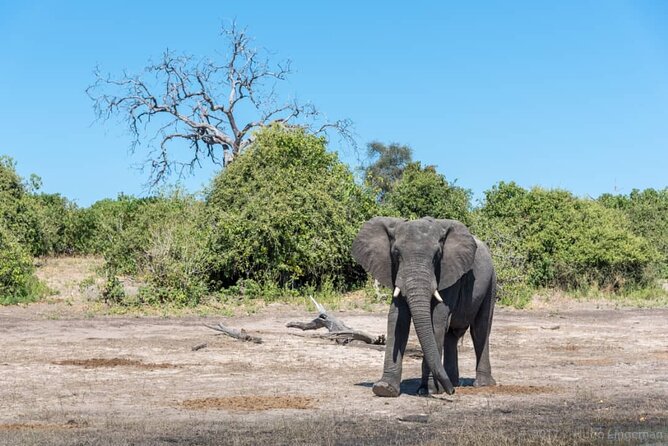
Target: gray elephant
x=443 y=277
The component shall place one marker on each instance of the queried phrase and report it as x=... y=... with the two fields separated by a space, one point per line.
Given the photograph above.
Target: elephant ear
x=371 y=248
x=459 y=250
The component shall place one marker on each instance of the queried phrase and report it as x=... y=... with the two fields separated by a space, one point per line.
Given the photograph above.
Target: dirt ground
x=567 y=374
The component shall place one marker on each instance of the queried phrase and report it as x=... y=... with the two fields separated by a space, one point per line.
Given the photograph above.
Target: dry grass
x=539 y=427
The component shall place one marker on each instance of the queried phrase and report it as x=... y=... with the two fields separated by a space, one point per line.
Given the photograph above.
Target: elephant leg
x=480 y=329
x=450 y=357
x=398 y=327
x=439 y=317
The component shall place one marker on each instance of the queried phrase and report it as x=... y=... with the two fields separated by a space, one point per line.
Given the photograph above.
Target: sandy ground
x=581 y=375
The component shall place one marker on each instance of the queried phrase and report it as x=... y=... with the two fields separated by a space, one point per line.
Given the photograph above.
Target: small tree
x=213 y=106
x=424 y=192
x=387 y=167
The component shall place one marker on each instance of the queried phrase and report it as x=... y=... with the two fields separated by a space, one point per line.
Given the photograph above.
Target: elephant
x=444 y=279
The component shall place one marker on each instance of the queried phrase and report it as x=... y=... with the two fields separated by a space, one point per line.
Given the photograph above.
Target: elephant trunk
x=419 y=301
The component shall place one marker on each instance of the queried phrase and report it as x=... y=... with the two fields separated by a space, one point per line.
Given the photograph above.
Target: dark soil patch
x=114 y=362
x=250 y=403
x=510 y=389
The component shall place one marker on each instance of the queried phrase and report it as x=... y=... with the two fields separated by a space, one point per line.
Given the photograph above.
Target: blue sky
x=569 y=94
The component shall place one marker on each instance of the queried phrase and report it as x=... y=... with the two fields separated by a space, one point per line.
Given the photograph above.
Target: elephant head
x=417 y=258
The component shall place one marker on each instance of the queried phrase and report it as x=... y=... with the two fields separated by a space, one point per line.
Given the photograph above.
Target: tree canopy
x=422 y=191
x=387 y=165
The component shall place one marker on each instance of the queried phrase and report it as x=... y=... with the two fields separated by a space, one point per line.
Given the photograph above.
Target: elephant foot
x=385 y=389
x=484 y=380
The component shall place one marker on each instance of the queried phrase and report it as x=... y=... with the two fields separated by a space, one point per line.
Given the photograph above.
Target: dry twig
x=234 y=333
x=338 y=330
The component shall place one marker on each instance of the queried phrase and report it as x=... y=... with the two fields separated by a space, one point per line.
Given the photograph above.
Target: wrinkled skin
x=418 y=258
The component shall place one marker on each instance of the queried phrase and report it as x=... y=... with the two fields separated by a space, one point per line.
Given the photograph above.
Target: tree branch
x=181 y=98
x=338 y=330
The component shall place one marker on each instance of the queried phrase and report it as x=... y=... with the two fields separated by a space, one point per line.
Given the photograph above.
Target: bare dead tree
x=201 y=102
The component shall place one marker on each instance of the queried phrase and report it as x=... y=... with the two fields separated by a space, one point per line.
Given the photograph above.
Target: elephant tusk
x=397 y=291
x=437 y=296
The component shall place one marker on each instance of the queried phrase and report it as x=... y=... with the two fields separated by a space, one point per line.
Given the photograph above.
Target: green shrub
x=648 y=212
x=509 y=258
x=422 y=192
x=44 y=224
x=119 y=230
x=569 y=242
x=286 y=211
x=162 y=240
x=17 y=212
x=58 y=225
x=17 y=281
x=113 y=291
x=175 y=260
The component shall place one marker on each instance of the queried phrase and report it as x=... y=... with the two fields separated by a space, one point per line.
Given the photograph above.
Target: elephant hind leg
x=450 y=357
x=480 y=330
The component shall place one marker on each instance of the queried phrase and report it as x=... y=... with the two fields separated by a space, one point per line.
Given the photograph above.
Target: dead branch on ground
x=241 y=335
x=338 y=330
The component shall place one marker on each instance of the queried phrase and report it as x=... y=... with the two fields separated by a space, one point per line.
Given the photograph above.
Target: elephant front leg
x=398 y=327
x=439 y=316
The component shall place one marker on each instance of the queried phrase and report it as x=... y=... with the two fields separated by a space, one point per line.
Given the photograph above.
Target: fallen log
x=241 y=335
x=338 y=330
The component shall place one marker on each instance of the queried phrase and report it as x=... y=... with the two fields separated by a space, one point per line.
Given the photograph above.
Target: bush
x=121 y=229
x=118 y=229
x=422 y=192
x=58 y=221
x=17 y=282
x=18 y=213
x=648 y=212
x=160 y=239
x=44 y=224
x=286 y=211
x=569 y=242
x=509 y=258
x=175 y=261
